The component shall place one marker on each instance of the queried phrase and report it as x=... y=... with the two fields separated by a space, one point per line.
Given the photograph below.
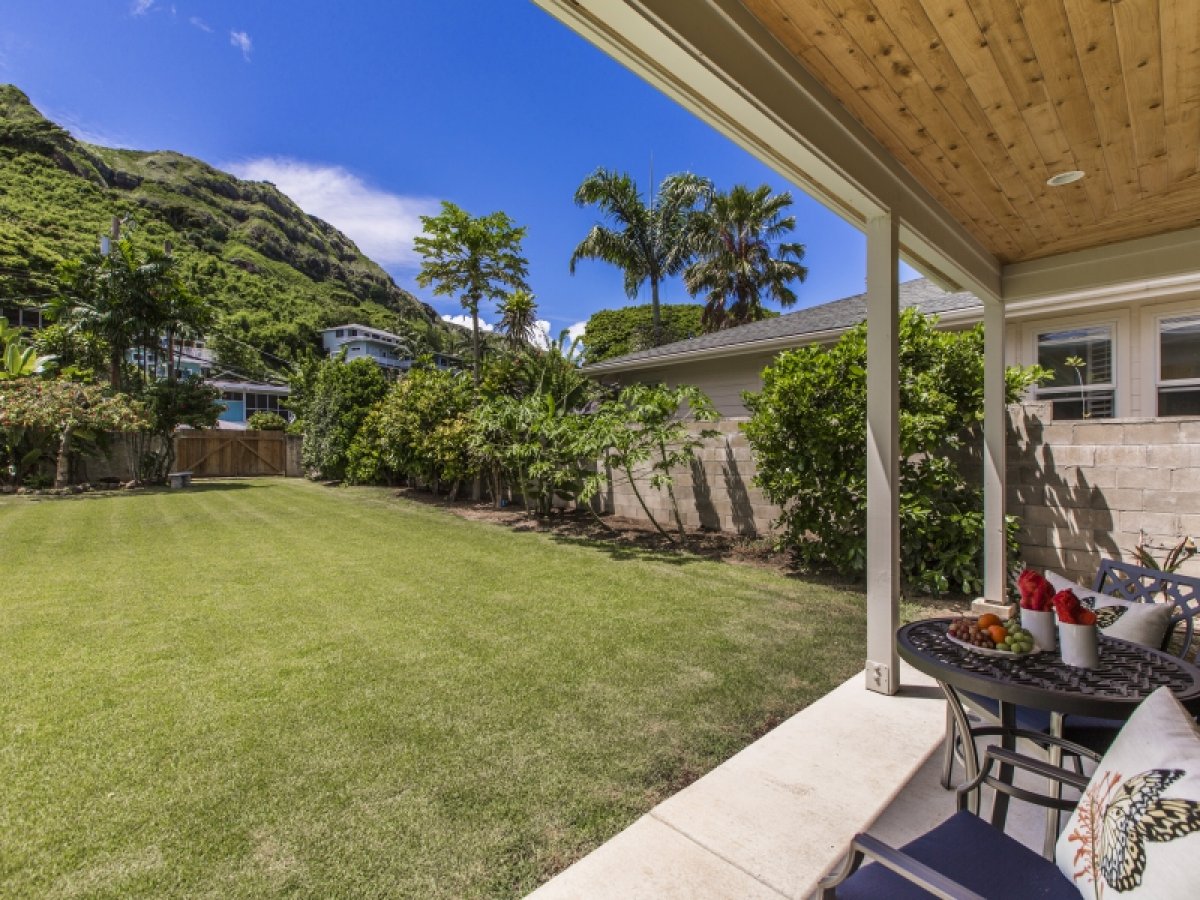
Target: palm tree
x=649 y=243
x=474 y=258
x=518 y=319
x=739 y=258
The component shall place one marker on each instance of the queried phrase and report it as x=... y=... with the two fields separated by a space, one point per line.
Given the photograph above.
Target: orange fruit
x=998 y=633
x=987 y=620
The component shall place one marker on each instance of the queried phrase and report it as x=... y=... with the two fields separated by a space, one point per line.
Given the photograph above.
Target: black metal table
x=1127 y=674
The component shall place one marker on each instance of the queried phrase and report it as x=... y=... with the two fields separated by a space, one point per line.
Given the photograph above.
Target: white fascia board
x=1163 y=264
x=716 y=60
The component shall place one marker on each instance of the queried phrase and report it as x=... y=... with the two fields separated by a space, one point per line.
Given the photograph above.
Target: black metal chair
x=1125 y=581
x=965 y=857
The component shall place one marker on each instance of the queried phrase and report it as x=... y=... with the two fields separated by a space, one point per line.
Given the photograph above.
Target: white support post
x=995 y=562
x=883 y=454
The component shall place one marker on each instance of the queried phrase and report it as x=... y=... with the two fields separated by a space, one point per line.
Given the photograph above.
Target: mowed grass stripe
x=263 y=687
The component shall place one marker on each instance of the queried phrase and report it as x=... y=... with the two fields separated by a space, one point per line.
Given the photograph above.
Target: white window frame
x=1152 y=318
x=1118 y=325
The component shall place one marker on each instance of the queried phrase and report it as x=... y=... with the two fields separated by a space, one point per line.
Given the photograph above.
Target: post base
x=981 y=605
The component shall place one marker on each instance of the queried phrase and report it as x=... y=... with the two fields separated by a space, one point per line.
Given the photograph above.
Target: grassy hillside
x=276 y=273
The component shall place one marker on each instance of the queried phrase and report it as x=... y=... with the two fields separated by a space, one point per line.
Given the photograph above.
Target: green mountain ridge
x=276 y=274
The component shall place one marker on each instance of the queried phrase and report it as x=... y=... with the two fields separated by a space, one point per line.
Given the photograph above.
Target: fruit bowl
x=989 y=636
x=992 y=651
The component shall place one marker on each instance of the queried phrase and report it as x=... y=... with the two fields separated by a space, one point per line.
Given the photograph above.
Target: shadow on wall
x=739 y=498
x=1066 y=521
x=710 y=519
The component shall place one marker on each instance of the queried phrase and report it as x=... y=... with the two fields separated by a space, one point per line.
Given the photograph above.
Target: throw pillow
x=1142 y=623
x=1136 y=830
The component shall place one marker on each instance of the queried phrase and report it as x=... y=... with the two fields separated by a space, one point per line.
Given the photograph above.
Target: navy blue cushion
x=977 y=856
x=1087 y=731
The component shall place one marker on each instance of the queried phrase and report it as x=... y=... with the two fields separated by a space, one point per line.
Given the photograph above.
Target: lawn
x=272 y=687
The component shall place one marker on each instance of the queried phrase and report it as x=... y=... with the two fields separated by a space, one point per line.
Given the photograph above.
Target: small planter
x=1041 y=625
x=1080 y=645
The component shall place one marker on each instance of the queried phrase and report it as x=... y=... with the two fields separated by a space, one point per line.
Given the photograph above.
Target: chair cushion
x=973 y=853
x=1142 y=623
x=1087 y=731
x=1136 y=830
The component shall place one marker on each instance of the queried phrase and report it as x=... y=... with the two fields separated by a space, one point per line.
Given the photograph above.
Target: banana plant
x=18 y=359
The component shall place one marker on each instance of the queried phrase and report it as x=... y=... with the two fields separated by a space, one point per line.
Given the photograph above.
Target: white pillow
x=1136 y=831
x=1142 y=623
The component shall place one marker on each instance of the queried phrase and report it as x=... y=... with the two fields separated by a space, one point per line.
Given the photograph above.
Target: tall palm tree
x=647 y=241
x=739 y=258
x=518 y=319
x=476 y=258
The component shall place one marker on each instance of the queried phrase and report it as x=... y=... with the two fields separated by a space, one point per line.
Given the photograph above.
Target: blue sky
x=369 y=113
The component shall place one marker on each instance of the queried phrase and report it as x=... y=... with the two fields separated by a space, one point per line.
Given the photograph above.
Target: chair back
x=1137 y=584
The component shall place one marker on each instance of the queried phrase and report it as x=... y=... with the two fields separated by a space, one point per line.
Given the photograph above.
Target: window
x=1179 y=366
x=1083 y=386
x=341 y=332
x=261 y=403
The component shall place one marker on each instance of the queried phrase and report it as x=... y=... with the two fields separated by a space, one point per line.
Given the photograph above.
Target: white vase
x=1080 y=645
x=1041 y=625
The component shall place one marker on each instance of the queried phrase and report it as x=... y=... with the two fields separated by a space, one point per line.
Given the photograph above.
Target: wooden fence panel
x=209 y=454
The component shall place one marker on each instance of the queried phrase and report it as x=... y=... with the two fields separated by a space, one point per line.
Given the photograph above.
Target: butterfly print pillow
x=1136 y=831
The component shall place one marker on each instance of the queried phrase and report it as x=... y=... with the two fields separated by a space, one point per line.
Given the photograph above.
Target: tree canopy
x=647 y=241
x=474 y=258
x=739 y=259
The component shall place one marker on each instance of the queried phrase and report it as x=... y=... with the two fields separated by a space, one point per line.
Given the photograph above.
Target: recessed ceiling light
x=1064 y=178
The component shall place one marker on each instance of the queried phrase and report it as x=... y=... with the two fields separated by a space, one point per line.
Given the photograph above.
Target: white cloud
x=197 y=22
x=465 y=321
x=141 y=7
x=576 y=330
x=242 y=41
x=382 y=224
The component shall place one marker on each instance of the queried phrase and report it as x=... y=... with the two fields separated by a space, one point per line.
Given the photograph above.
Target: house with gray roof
x=726 y=363
x=1141 y=351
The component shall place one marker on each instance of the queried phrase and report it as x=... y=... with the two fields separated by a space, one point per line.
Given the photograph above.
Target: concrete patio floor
x=772 y=820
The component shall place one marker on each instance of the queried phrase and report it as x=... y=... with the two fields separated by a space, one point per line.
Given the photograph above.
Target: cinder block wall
x=1085 y=490
x=1082 y=490
x=717 y=493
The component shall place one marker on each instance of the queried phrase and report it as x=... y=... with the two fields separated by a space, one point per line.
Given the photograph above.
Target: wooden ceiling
x=983 y=100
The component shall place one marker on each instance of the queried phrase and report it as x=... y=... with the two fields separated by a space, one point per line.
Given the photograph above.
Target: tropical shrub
x=648 y=426
x=419 y=430
x=334 y=406
x=65 y=411
x=267 y=421
x=808 y=431
x=170 y=403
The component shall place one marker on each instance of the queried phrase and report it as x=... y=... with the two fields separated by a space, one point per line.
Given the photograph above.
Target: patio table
x=1127 y=674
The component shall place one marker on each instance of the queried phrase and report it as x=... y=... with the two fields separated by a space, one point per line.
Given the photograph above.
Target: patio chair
x=965 y=858
x=1123 y=581
x=1137 y=827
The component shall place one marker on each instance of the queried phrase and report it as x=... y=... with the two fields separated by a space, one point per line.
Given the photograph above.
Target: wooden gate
x=231 y=453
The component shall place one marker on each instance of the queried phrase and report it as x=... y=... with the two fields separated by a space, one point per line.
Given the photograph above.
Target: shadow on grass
x=643 y=551
x=197 y=487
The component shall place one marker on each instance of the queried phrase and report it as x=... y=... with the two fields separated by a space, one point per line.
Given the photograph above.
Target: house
x=1040 y=156
x=192 y=357
x=242 y=399
x=1141 y=356
x=390 y=351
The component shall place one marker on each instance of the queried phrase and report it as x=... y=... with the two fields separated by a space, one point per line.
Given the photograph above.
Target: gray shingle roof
x=838 y=314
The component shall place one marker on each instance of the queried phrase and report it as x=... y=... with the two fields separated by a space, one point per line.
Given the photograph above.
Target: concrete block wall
x=717 y=493
x=1085 y=491
x=1081 y=490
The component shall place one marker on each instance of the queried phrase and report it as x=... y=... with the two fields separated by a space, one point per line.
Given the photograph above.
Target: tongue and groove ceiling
x=983 y=100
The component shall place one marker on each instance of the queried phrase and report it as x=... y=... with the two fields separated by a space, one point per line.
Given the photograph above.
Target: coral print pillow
x=1141 y=623
x=1136 y=831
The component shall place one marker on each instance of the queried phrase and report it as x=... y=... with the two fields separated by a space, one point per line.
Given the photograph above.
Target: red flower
x=1036 y=591
x=1068 y=607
